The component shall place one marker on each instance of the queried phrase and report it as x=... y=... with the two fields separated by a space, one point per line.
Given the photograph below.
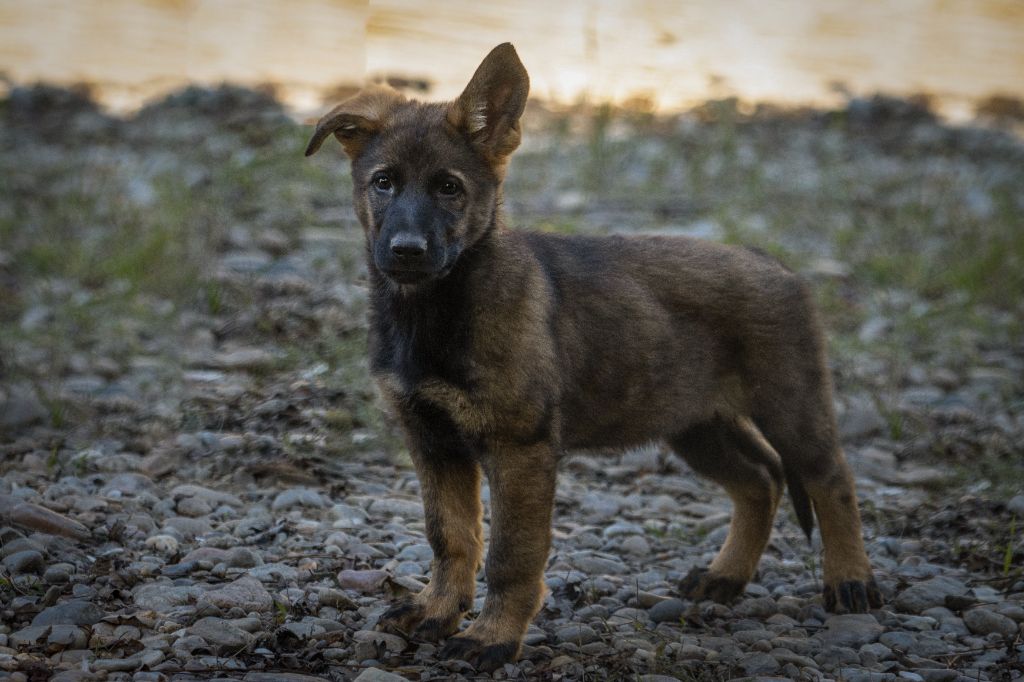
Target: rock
x=984 y=622
x=370 y=644
x=389 y=506
x=275 y=573
x=378 y=675
x=636 y=545
x=335 y=599
x=214 y=497
x=164 y=596
x=851 y=630
x=58 y=574
x=74 y=612
x=929 y=593
x=66 y=637
x=281 y=677
x=367 y=582
x=20 y=407
x=226 y=638
x=1016 y=506
x=860 y=418
x=165 y=544
x=594 y=565
x=27 y=561
x=576 y=633
x=33 y=635
x=760 y=607
x=667 y=611
x=187 y=528
x=297 y=497
x=243 y=359
x=758 y=664
x=16 y=512
x=246 y=593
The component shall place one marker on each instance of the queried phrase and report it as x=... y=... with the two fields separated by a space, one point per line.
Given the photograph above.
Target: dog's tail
x=801 y=501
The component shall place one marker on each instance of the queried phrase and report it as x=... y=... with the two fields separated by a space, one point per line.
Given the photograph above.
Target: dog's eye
x=382 y=182
x=449 y=188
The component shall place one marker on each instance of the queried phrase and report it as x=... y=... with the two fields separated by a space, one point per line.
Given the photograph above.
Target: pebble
x=667 y=611
x=984 y=622
x=74 y=612
x=576 y=634
x=929 y=593
x=27 y=561
x=297 y=497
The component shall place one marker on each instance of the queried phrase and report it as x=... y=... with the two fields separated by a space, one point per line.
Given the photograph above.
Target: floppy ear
x=357 y=119
x=488 y=110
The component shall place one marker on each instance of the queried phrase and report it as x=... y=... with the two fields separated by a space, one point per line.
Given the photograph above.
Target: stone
x=226 y=638
x=74 y=612
x=984 y=622
x=389 y=506
x=378 y=675
x=759 y=607
x=576 y=633
x=27 y=561
x=929 y=593
x=850 y=630
x=365 y=581
x=667 y=611
x=246 y=593
x=281 y=677
x=297 y=497
x=164 y=596
x=370 y=644
x=758 y=664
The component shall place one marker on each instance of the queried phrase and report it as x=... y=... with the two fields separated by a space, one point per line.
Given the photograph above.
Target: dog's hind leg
x=732 y=452
x=817 y=471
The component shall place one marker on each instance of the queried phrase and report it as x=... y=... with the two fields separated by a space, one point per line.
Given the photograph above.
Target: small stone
x=928 y=593
x=367 y=582
x=165 y=544
x=58 y=574
x=760 y=607
x=378 y=675
x=408 y=509
x=225 y=637
x=371 y=644
x=636 y=545
x=576 y=633
x=850 y=630
x=1016 y=506
x=335 y=599
x=33 y=635
x=667 y=611
x=246 y=593
x=27 y=561
x=297 y=497
x=984 y=622
x=74 y=612
x=67 y=637
x=758 y=664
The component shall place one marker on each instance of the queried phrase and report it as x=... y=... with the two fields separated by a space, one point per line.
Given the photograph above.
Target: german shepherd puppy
x=500 y=349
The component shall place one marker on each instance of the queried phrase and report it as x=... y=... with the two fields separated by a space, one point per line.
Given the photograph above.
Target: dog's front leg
x=522 y=481
x=450 y=488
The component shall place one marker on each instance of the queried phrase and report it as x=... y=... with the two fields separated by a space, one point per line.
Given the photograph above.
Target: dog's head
x=427 y=177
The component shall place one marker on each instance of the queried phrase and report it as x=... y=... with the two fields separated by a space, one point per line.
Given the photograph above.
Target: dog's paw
x=402 y=618
x=483 y=657
x=700 y=584
x=852 y=596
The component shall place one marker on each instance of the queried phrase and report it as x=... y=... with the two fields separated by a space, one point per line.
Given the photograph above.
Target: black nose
x=406 y=245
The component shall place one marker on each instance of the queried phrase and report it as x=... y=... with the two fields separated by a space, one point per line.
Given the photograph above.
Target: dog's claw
x=485 y=658
x=700 y=584
x=852 y=596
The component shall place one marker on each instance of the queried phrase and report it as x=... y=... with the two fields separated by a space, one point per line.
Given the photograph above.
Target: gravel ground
x=198 y=482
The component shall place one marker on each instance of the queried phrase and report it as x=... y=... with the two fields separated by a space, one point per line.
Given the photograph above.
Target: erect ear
x=488 y=110
x=357 y=119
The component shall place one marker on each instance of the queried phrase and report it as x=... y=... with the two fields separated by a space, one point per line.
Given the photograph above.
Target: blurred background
x=182 y=294
x=673 y=54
